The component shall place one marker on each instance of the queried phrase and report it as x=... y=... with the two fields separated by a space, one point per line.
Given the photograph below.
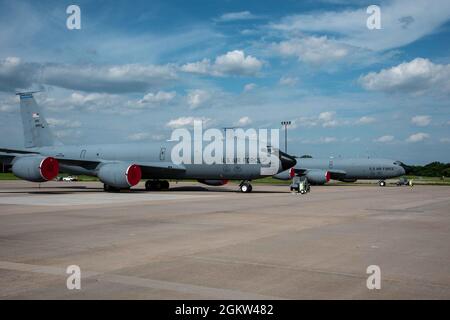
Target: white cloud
x=200 y=67
x=88 y=102
x=197 y=98
x=328 y=140
x=234 y=16
x=235 y=62
x=63 y=123
x=9 y=103
x=421 y=121
x=418 y=137
x=117 y=79
x=185 y=121
x=249 y=87
x=384 y=139
x=7 y=108
x=68 y=133
x=417 y=76
x=142 y=136
x=16 y=74
x=328 y=119
x=244 y=121
x=288 y=81
x=312 y=49
x=402 y=22
x=232 y=63
x=445 y=140
x=365 y=120
x=327 y=115
x=139 y=136
x=160 y=97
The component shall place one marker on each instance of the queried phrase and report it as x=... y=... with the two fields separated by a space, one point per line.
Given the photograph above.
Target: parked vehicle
x=70 y=178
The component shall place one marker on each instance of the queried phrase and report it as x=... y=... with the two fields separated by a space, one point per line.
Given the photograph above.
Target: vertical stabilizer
x=35 y=127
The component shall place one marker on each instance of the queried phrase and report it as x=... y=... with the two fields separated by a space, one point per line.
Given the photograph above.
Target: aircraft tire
x=382 y=183
x=108 y=188
x=246 y=187
x=151 y=185
x=165 y=185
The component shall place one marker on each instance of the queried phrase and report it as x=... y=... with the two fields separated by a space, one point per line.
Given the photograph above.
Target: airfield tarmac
x=200 y=242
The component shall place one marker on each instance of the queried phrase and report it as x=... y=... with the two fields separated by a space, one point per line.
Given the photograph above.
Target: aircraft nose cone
x=406 y=168
x=287 y=161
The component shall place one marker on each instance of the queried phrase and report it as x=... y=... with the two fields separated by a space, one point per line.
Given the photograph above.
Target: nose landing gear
x=245 y=186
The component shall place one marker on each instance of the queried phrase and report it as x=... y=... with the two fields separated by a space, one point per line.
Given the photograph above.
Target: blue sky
x=134 y=72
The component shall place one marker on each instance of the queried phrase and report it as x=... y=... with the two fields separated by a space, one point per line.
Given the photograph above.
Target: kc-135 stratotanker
x=122 y=166
x=320 y=171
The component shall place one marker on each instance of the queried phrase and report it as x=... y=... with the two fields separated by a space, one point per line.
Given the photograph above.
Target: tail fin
x=35 y=127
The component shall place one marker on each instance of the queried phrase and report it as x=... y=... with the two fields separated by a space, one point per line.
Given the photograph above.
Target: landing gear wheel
x=148 y=185
x=108 y=188
x=156 y=185
x=382 y=183
x=246 y=187
x=151 y=185
x=165 y=185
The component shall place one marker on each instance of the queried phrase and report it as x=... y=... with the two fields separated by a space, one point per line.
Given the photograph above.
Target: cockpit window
x=398 y=163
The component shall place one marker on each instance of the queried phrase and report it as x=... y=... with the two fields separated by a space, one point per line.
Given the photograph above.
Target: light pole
x=285 y=124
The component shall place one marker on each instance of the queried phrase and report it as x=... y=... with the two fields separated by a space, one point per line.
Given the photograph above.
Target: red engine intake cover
x=328 y=176
x=134 y=175
x=49 y=168
x=291 y=173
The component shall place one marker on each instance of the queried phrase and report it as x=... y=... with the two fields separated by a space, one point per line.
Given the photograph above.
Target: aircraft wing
x=7 y=155
x=148 y=168
x=16 y=151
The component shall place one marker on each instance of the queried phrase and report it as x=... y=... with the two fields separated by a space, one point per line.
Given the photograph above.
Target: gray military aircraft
x=118 y=166
x=320 y=171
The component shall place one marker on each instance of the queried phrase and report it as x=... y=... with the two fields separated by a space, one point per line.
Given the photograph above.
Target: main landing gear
x=109 y=188
x=156 y=185
x=245 y=186
x=382 y=183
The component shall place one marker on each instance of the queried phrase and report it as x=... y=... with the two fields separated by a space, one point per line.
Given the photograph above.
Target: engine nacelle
x=120 y=175
x=213 y=182
x=285 y=175
x=35 y=168
x=316 y=176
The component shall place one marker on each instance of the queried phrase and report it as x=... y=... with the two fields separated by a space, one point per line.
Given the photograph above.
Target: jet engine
x=316 y=176
x=36 y=168
x=120 y=175
x=285 y=175
x=213 y=182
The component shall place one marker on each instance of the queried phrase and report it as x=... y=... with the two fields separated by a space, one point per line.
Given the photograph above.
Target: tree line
x=433 y=169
